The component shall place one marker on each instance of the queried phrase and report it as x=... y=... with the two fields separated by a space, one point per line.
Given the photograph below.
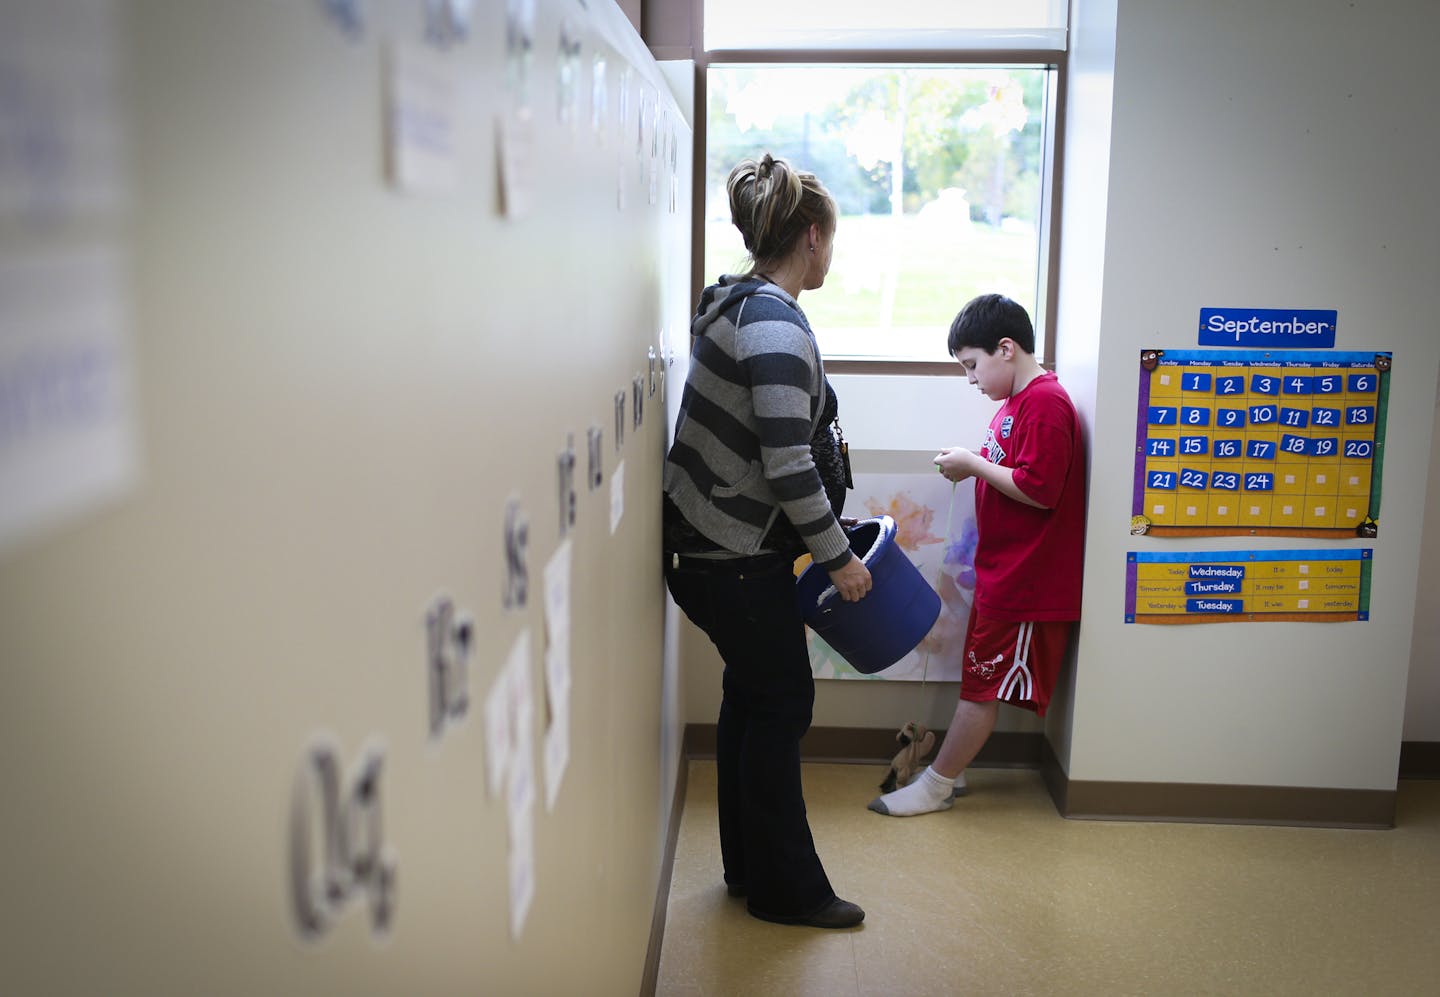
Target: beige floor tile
x=1001 y=895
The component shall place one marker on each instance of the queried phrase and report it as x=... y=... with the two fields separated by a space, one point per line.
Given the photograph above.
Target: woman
x=743 y=498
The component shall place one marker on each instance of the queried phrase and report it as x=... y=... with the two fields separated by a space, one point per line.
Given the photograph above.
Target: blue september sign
x=1268 y=328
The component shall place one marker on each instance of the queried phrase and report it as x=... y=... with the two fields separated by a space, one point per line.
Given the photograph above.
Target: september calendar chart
x=1238 y=586
x=1236 y=442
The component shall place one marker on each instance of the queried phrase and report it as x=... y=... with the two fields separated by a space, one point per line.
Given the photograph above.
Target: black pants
x=747 y=608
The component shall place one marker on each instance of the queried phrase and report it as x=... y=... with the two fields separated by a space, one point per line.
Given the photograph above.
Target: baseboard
x=1297 y=806
x=1201 y=803
x=1420 y=759
x=650 y=978
x=876 y=746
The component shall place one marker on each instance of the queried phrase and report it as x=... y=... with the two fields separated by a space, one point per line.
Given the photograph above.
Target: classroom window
x=935 y=133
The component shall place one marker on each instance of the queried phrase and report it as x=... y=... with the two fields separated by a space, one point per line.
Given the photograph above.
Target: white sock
x=929 y=792
x=958 y=791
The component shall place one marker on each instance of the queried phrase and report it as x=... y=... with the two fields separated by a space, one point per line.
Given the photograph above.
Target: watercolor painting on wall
x=935 y=527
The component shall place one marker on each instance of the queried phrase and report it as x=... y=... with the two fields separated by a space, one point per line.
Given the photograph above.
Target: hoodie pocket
x=745 y=486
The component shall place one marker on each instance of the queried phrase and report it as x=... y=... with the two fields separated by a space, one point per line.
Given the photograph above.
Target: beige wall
x=339 y=386
x=1085 y=183
x=1422 y=698
x=1259 y=154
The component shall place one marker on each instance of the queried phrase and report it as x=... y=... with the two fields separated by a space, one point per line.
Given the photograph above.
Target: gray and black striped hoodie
x=752 y=402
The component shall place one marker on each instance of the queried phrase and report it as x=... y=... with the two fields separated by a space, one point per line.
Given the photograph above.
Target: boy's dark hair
x=987 y=319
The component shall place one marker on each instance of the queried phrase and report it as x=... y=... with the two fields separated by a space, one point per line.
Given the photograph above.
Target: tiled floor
x=1001 y=895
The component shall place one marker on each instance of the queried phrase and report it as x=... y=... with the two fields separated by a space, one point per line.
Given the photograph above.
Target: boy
x=1030 y=514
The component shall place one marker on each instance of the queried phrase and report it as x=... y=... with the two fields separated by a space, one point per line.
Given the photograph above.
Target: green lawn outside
x=940 y=267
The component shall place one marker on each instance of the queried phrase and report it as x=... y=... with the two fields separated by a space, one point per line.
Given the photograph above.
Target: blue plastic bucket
x=893 y=618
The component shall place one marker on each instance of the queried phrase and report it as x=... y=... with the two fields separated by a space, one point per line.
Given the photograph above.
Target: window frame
x=667 y=18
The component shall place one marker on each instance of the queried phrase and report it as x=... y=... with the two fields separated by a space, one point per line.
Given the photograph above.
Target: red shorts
x=1016 y=663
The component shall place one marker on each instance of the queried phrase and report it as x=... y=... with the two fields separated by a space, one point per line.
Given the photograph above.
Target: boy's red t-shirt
x=1028 y=561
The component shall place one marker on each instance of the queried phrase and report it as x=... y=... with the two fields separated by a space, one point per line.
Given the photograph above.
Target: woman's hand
x=852 y=579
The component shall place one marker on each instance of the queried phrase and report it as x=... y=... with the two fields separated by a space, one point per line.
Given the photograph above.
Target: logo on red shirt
x=992 y=451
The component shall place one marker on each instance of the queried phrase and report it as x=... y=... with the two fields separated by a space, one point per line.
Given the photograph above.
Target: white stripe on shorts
x=1019 y=684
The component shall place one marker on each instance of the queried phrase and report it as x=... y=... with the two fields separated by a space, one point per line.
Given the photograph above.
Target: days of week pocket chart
x=1260 y=443
x=1312 y=586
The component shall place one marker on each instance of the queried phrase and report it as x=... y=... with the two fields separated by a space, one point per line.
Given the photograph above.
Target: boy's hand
x=957 y=463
